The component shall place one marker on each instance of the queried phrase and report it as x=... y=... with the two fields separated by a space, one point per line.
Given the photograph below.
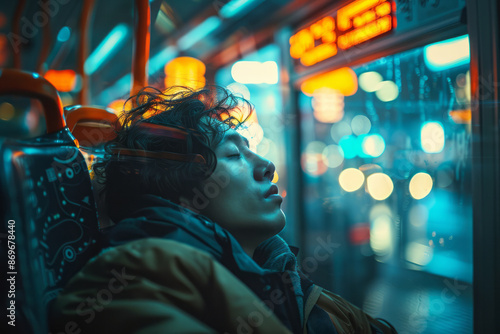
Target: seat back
x=93 y=127
x=48 y=209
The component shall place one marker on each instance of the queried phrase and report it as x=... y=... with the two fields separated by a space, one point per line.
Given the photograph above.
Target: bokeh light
x=185 y=71
x=118 y=106
x=351 y=179
x=350 y=146
x=369 y=81
x=420 y=185
x=240 y=90
x=328 y=105
x=7 y=111
x=275 y=177
x=333 y=156
x=313 y=162
x=339 y=130
x=447 y=54
x=360 y=125
x=379 y=186
x=63 y=80
x=387 y=91
x=64 y=34
x=373 y=145
x=381 y=235
x=343 y=79
x=432 y=137
x=255 y=72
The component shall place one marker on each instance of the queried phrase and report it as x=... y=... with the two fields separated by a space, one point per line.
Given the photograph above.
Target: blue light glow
x=198 y=33
x=119 y=88
x=159 y=61
x=235 y=7
x=447 y=54
x=64 y=34
x=108 y=47
x=350 y=146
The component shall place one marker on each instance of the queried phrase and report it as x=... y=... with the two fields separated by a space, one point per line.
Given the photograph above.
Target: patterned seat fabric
x=45 y=189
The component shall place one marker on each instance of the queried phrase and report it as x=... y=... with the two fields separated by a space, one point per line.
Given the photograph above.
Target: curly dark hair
x=202 y=116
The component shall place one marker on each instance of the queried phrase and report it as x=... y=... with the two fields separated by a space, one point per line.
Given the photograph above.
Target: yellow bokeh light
x=343 y=79
x=7 y=111
x=275 y=177
x=118 y=106
x=420 y=185
x=379 y=186
x=185 y=71
x=351 y=179
x=387 y=91
x=368 y=81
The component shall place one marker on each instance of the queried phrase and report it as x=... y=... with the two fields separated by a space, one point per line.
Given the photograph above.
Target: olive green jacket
x=162 y=286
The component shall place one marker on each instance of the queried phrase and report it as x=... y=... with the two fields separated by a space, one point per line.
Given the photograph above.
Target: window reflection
x=395 y=156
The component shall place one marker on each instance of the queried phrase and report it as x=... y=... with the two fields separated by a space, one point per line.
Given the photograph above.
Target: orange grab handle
x=92 y=126
x=79 y=113
x=16 y=82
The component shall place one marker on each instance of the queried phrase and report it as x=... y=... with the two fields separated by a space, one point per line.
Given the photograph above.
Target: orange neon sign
x=357 y=22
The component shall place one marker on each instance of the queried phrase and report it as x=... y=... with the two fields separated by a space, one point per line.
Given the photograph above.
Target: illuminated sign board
x=357 y=22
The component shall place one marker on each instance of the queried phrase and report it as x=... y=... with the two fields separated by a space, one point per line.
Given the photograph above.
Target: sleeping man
x=195 y=246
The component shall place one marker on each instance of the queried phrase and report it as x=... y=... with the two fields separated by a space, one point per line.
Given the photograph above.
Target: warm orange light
x=365 y=33
x=357 y=22
x=242 y=113
x=347 y=13
x=383 y=9
x=318 y=54
x=461 y=116
x=63 y=80
x=303 y=43
x=343 y=79
x=118 y=106
x=185 y=71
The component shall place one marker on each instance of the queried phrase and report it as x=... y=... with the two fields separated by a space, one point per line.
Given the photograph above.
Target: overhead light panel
x=158 y=61
x=108 y=47
x=235 y=7
x=198 y=33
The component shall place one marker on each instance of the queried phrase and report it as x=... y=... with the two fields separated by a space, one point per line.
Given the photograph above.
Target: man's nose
x=264 y=169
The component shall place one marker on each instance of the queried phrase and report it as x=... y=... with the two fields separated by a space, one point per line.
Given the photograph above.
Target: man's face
x=240 y=196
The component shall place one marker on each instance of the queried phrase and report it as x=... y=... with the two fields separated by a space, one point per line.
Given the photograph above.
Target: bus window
x=387 y=168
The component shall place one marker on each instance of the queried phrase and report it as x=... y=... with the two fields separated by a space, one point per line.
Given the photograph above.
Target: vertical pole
x=141 y=47
x=483 y=25
x=83 y=50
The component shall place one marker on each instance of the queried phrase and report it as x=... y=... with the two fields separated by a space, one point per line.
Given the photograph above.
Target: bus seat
x=48 y=209
x=93 y=127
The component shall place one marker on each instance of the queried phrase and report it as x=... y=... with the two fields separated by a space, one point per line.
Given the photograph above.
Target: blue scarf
x=274 y=254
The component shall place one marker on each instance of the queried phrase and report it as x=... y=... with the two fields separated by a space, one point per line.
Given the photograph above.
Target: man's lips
x=273 y=190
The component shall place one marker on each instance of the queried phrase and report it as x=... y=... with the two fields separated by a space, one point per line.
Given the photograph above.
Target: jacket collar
x=162 y=218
